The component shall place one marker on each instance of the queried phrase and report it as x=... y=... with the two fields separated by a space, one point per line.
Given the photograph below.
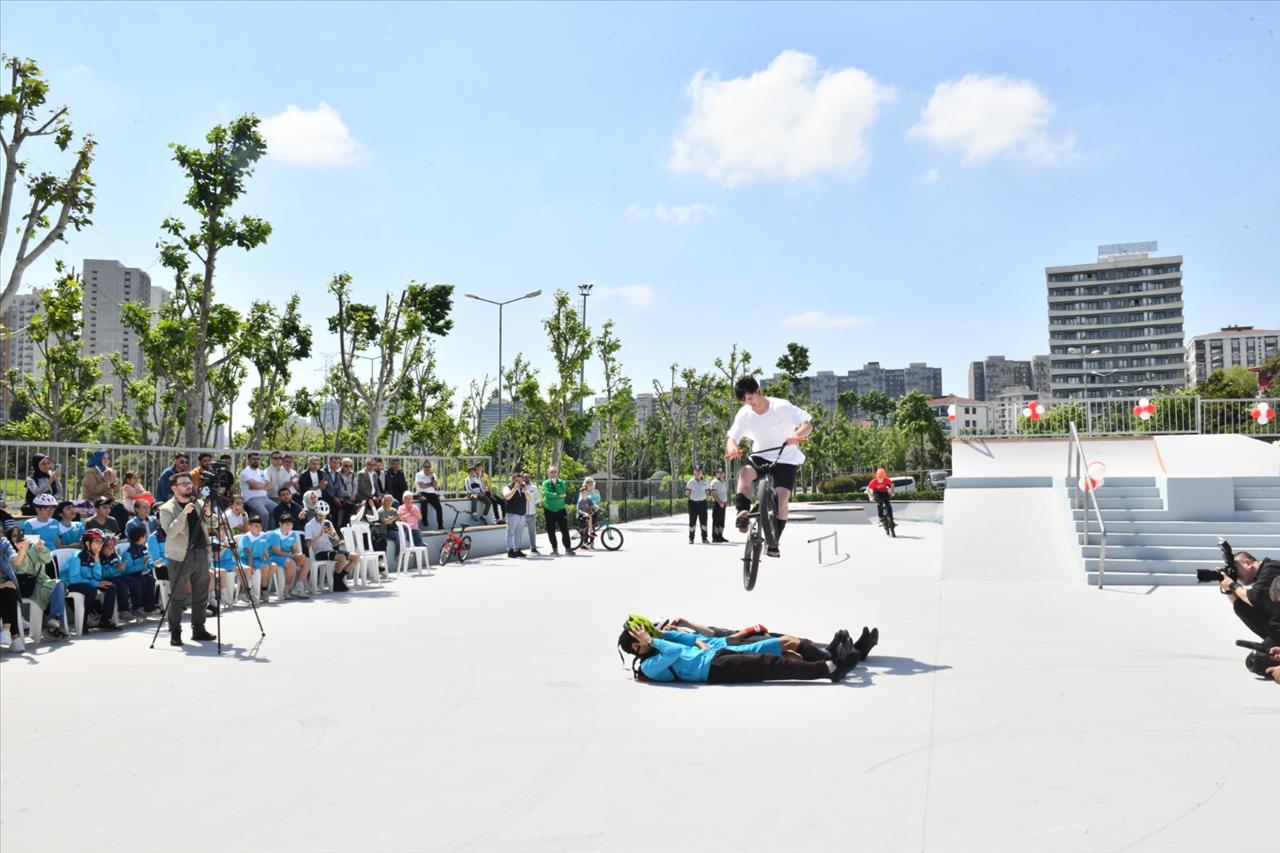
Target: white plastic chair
x=35 y=620
x=364 y=536
x=365 y=563
x=321 y=573
x=420 y=554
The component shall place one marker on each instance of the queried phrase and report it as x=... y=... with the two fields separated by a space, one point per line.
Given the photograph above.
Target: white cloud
x=792 y=120
x=311 y=138
x=823 y=320
x=984 y=116
x=680 y=214
x=639 y=296
x=930 y=177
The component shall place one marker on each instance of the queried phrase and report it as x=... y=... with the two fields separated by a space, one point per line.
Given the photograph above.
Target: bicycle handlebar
x=779 y=448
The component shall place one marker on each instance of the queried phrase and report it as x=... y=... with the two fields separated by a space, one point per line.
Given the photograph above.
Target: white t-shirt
x=247 y=491
x=424 y=482
x=534 y=498
x=775 y=426
x=313 y=530
x=236 y=520
x=697 y=489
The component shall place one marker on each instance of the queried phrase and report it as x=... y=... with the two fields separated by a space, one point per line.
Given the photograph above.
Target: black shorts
x=324 y=555
x=784 y=475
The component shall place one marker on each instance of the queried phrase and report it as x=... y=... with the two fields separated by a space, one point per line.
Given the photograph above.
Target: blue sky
x=879 y=182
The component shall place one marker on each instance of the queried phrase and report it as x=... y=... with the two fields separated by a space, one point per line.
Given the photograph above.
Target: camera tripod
x=224 y=533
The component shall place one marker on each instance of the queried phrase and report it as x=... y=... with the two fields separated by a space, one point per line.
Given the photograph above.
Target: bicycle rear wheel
x=767 y=507
x=611 y=538
x=575 y=538
x=751 y=560
x=464 y=549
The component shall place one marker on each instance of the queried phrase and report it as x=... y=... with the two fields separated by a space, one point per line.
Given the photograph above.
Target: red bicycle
x=458 y=544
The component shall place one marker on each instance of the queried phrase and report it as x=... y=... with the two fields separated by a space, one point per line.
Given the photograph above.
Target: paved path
x=485 y=709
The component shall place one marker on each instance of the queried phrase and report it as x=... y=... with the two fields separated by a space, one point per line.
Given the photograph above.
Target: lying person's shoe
x=744 y=520
x=844 y=666
x=202 y=635
x=867 y=642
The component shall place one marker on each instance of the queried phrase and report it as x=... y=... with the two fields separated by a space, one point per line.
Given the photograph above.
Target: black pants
x=557 y=519
x=90 y=593
x=431 y=499
x=698 y=514
x=1256 y=619
x=499 y=511
x=9 y=601
x=884 y=506
x=717 y=522
x=737 y=668
x=487 y=502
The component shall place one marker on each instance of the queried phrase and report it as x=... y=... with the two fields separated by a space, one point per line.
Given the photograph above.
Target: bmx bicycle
x=886 y=518
x=761 y=533
x=610 y=536
x=455 y=544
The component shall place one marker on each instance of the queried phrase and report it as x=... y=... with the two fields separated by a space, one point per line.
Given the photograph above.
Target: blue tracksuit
x=73 y=571
x=675 y=662
x=135 y=565
x=766 y=646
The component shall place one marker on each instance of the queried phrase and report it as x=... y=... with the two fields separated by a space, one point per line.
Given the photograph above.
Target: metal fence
x=1119 y=416
x=17 y=457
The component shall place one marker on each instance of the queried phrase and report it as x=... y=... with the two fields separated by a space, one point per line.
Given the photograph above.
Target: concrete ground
x=485 y=709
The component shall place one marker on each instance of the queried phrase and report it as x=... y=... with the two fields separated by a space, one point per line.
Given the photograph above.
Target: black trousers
x=883 y=506
x=9 y=601
x=486 y=502
x=557 y=519
x=729 y=667
x=717 y=522
x=1256 y=619
x=431 y=499
x=698 y=514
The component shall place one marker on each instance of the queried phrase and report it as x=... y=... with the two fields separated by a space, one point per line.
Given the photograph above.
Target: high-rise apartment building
x=1242 y=346
x=19 y=351
x=1040 y=373
x=988 y=378
x=1115 y=326
x=825 y=387
x=108 y=285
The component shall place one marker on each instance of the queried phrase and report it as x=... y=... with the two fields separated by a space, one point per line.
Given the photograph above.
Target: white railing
x=1078 y=468
x=1169 y=415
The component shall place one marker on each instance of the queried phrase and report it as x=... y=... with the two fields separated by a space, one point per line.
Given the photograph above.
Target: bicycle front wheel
x=767 y=507
x=611 y=537
x=464 y=550
x=446 y=550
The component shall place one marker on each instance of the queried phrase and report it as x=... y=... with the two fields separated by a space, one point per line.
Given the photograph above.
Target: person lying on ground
x=661 y=660
x=719 y=638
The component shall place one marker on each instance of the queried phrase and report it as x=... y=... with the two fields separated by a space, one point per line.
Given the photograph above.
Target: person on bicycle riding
x=766 y=422
x=880 y=489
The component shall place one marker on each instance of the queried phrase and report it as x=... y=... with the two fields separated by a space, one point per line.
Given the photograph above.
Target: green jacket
x=33 y=565
x=553 y=492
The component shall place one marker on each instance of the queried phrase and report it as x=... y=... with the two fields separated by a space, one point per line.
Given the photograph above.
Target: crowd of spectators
x=280 y=518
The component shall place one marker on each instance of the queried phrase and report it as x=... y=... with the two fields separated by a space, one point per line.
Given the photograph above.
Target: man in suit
x=188 y=525
x=369 y=485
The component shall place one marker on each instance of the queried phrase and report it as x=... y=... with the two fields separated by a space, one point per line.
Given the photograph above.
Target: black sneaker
x=519 y=554
x=690 y=540
x=744 y=520
x=201 y=635
x=773 y=551
x=841 y=644
x=844 y=666
x=175 y=638
x=706 y=541
x=511 y=555
x=107 y=625
x=868 y=641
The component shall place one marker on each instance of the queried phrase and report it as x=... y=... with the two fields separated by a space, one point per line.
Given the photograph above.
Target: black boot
x=175 y=638
x=340 y=583
x=201 y=635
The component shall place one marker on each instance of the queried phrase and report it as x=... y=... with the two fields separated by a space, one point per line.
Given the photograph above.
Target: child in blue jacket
x=82 y=573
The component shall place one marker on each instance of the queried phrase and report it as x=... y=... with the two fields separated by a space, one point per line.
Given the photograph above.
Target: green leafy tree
x=1231 y=383
x=419 y=409
x=217 y=180
x=396 y=339
x=878 y=405
x=619 y=410
x=569 y=340
x=916 y=420
x=57 y=201
x=847 y=404
x=272 y=341
x=67 y=395
x=669 y=411
x=794 y=364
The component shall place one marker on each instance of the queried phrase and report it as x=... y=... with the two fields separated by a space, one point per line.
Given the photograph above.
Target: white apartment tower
x=107 y=286
x=1115 y=326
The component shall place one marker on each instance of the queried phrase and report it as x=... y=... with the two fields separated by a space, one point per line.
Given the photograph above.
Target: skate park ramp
x=998 y=533
x=1001 y=461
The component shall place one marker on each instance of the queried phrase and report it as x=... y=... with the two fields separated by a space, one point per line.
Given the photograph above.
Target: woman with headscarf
x=44 y=480
x=100 y=480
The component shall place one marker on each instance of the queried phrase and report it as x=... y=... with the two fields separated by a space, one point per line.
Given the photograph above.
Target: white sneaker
x=5 y=637
x=300 y=591
x=17 y=645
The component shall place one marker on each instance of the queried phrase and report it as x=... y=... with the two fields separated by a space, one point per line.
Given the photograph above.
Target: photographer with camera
x=1247 y=583
x=188 y=524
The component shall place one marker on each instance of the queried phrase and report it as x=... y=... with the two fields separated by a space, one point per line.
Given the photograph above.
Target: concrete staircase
x=1147 y=544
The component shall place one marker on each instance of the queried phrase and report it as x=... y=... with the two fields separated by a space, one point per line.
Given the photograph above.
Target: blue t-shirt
x=69 y=535
x=46 y=530
x=763 y=646
x=675 y=662
x=284 y=542
x=256 y=549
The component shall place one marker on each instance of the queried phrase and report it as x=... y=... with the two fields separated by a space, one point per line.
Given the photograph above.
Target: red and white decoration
x=1262 y=413
x=951 y=412
x=1033 y=410
x=1145 y=409
x=1094 y=477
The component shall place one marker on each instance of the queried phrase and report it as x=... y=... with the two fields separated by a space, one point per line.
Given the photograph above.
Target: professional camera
x=1259 y=659
x=1229 y=566
x=216 y=484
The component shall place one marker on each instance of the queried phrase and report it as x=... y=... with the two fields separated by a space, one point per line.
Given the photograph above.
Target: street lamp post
x=501 y=305
x=585 y=290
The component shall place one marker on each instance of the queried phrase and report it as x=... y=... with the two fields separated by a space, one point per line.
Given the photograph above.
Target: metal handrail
x=1076 y=456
